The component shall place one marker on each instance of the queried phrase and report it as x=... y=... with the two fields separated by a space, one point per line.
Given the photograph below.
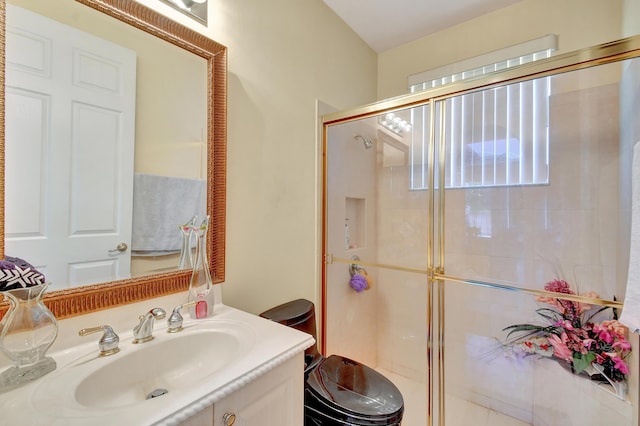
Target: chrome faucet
x=143 y=331
x=108 y=343
x=174 y=323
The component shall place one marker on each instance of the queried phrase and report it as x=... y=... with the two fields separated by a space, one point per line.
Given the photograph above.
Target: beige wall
x=630 y=21
x=578 y=23
x=283 y=55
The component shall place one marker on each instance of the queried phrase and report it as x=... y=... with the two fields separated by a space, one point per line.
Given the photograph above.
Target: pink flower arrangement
x=570 y=335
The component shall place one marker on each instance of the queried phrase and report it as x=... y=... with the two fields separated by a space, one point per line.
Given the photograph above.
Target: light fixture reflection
x=188 y=4
x=395 y=124
x=196 y=9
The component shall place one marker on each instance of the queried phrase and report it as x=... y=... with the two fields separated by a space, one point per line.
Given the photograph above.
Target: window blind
x=494 y=137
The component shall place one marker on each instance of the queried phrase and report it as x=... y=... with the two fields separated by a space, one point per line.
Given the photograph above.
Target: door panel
x=70 y=98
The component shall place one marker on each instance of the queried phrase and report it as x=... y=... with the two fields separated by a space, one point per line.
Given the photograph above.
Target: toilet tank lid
x=290 y=313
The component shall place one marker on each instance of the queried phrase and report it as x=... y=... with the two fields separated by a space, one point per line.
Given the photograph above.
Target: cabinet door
x=201 y=418
x=274 y=399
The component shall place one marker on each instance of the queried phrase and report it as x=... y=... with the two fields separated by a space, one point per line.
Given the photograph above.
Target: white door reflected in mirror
x=78 y=132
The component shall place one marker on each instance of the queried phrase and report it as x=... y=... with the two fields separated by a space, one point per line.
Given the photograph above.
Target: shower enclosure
x=491 y=222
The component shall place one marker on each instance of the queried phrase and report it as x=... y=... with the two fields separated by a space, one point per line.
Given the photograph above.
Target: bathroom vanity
x=272 y=399
x=231 y=368
x=232 y=365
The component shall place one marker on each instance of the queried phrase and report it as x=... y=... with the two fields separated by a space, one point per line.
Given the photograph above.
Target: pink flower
x=606 y=336
x=566 y=324
x=565 y=307
x=623 y=345
x=560 y=349
x=583 y=307
x=603 y=332
x=558 y=286
x=569 y=332
x=620 y=365
x=615 y=327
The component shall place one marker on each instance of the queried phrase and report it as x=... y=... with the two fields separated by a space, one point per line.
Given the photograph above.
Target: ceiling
x=385 y=24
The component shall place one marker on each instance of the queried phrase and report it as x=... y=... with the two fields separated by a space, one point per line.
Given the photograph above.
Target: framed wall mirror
x=177 y=133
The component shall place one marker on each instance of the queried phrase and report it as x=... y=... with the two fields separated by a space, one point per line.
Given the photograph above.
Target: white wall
x=283 y=55
x=578 y=23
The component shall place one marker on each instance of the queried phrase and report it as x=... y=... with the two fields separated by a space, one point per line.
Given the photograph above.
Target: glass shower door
x=375 y=286
x=476 y=249
x=536 y=200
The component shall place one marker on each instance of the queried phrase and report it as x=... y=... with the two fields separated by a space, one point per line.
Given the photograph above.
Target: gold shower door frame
x=623 y=49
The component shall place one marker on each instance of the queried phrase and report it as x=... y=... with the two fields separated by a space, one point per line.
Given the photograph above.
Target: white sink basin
x=169 y=366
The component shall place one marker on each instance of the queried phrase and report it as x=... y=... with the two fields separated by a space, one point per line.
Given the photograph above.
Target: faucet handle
x=156 y=313
x=174 y=323
x=143 y=332
x=108 y=343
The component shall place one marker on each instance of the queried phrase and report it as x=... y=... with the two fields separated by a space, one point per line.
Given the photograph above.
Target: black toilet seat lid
x=355 y=388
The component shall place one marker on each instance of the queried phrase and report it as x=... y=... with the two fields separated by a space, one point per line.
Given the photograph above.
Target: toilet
x=338 y=391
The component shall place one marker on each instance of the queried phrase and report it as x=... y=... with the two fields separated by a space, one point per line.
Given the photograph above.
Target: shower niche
x=355 y=224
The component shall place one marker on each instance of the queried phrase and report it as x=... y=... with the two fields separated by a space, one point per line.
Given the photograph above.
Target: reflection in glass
x=186 y=255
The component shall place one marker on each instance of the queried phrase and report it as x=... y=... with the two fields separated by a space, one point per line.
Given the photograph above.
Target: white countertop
x=269 y=345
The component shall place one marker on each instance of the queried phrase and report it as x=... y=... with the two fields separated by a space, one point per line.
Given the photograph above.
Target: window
x=493 y=137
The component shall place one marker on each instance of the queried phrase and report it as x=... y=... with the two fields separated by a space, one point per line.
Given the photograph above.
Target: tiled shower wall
x=573 y=212
x=567 y=229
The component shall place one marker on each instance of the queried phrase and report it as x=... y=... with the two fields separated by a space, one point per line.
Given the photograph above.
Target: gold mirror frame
x=86 y=299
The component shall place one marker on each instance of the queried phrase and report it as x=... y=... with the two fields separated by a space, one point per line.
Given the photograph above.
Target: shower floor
x=460 y=412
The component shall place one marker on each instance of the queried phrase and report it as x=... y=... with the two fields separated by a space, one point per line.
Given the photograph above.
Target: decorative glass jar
x=27 y=331
x=186 y=230
x=201 y=285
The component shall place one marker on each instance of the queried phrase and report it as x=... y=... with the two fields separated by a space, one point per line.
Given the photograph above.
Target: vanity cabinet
x=273 y=399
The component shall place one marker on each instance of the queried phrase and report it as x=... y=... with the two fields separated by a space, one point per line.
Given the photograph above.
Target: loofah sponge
x=358 y=283
x=18 y=273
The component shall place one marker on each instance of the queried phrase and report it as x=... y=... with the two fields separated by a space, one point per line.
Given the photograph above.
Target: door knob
x=120 y=247
x=229 y=419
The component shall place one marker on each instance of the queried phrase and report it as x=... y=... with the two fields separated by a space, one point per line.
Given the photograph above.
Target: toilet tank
x=301 y=315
